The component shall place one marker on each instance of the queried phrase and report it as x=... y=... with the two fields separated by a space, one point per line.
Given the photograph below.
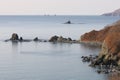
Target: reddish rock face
x=114 y=77
x=109 y=36
x=94 y=35
x=112 y=40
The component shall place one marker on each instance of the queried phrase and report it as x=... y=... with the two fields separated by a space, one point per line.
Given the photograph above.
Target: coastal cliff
x=110 y=39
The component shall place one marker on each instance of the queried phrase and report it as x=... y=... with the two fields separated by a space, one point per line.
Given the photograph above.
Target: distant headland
x=114 y=13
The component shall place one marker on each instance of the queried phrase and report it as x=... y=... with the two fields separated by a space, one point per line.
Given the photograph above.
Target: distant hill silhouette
x=114 y=13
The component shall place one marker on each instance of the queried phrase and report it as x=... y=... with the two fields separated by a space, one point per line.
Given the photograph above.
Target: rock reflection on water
x=92 y=47
x=15 y=47
x=114 y=76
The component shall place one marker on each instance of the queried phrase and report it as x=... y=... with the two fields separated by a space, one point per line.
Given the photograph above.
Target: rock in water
x=14 y=36
x=21 y=39
x=68 y=22
x=69 y=39
x=35 y=39
x=60 y=39
x=54 y=39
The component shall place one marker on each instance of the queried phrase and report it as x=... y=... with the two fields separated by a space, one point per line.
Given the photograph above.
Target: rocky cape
x=114 y=13
x=109 y=38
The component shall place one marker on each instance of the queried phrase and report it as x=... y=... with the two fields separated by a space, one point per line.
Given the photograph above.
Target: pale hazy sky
x=60 y=7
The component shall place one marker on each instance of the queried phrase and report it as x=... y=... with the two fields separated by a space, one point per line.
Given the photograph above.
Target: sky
x=58 y=7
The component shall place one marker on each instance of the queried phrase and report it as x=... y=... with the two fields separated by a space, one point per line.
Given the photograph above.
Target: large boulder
x=110 y=39
x=14 y=36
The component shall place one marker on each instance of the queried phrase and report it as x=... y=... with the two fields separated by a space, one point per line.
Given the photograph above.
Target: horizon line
x=45 y=15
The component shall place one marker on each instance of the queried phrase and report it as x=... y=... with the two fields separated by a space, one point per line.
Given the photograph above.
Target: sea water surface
x=48 y=61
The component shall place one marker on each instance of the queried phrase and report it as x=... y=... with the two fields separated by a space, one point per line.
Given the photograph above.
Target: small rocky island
x=109 y=38
x=114 y=13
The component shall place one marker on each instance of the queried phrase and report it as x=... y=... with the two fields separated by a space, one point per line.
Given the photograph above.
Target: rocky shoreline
x=103 y=68
x=108 y=59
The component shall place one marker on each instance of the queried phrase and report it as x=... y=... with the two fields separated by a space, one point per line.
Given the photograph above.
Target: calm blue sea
x=48 y=61
x=46 y=26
